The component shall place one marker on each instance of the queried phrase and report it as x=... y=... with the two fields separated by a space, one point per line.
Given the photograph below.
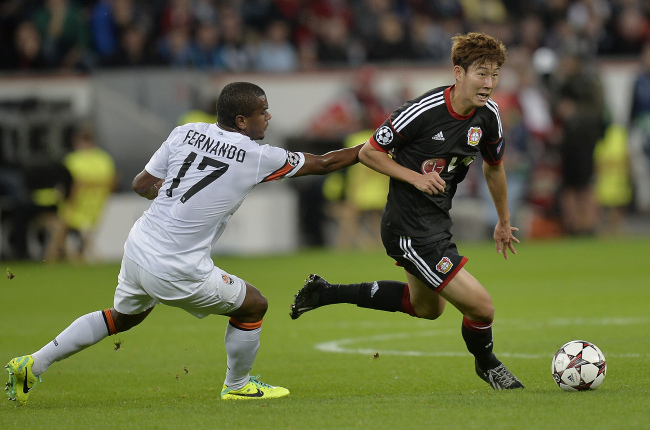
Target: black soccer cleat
x=499 y=378
x=308 y=296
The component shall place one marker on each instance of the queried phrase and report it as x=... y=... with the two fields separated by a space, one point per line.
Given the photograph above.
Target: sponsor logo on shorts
x=474 y=135
x=227 y=279
x=444 y=265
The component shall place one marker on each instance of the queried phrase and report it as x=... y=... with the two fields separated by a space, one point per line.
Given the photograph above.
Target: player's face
x=477 y=83
x=257 y=123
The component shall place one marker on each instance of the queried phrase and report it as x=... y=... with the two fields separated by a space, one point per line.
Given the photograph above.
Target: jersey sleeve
x=397 y=130
x=277 y=163
x=493 y=144
x=159 y=162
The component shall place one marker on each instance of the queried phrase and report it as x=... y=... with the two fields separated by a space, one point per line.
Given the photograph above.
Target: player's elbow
x=363 y=158
x=370 y=157
x=138 y=188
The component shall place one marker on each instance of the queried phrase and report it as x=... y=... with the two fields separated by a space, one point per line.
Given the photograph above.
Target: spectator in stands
x=482 y=11
x=29 y=54
x=175 y=47
x=429 y=40
x=234 y=53
x=205 y=11
x=629 y=28
x=391 y=43
x=367 y=14
x=335 y=45
x=175 y=14
x=133 y=51
x=205 y=47
x=275 y=53
x=108 y=22
x=64 y=33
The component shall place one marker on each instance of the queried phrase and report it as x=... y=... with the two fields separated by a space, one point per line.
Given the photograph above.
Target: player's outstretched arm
x=431 y=183
x=329 y=162
x=146 y=185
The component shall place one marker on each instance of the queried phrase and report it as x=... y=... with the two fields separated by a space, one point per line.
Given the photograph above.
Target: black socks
x=380 y=295
x=478 y=338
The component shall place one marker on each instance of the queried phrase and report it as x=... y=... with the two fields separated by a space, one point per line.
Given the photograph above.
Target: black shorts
x=433 y=260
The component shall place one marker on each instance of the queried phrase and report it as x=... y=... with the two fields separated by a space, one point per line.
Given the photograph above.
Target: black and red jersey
x=425 y=134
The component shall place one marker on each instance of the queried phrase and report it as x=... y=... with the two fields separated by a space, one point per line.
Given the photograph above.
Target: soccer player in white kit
x=197 y=180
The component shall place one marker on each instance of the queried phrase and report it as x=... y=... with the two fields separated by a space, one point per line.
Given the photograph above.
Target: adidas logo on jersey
x=438 y=136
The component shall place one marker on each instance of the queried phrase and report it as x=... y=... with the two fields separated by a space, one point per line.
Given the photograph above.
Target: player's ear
x=458 y=72
x=240 y=122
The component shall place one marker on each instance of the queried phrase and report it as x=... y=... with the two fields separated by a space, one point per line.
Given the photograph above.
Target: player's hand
x=430 y=183
x=505 y=239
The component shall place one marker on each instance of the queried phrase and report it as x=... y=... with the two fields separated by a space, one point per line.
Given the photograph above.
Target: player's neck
x=457 y=103
x=233 y=130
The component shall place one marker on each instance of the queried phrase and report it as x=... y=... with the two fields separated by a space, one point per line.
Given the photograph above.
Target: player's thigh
x=426 y=302
x=130 y=297
x=219 y=294
x=467 y=295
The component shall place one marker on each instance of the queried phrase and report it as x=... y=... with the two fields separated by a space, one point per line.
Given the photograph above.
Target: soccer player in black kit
x=426 y=147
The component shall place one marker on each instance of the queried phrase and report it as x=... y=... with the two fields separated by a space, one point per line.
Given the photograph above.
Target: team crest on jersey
x=384 y=135
x=433 y=165
x=444 y=265
x=293 y=158
x=474 y=135
x=227 y=279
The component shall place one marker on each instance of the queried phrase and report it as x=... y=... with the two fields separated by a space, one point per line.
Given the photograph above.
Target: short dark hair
x=478 y=49
x=237 y=98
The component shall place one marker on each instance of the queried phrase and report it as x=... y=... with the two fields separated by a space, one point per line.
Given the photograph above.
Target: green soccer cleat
x=21 y=379
x=254 y=389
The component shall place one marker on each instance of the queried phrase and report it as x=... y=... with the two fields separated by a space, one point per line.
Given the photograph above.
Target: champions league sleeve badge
x=293 y=158
x=384 y=135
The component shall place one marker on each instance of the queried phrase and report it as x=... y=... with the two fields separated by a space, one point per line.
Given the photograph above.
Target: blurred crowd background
x=290 y=35
x=576 y=166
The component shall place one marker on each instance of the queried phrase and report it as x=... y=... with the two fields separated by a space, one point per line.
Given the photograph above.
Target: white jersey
x=207 y=174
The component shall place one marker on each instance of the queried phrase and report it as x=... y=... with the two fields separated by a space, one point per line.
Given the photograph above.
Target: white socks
x=82 y=333
x=241 y=349
x=242 y=341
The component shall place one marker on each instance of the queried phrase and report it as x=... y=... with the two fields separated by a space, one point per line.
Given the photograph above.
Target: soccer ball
x=579 y=365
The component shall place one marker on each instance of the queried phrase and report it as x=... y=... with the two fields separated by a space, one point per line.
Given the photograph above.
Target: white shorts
x=138 y=290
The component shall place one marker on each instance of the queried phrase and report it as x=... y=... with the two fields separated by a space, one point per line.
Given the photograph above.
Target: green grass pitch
x=346 y=367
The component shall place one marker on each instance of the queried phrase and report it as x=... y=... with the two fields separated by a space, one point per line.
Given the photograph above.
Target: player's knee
x=125 y=322
x=257 y=307
x=262 y=306
x=428 y=314
x=429 y=311
x=482 y=312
